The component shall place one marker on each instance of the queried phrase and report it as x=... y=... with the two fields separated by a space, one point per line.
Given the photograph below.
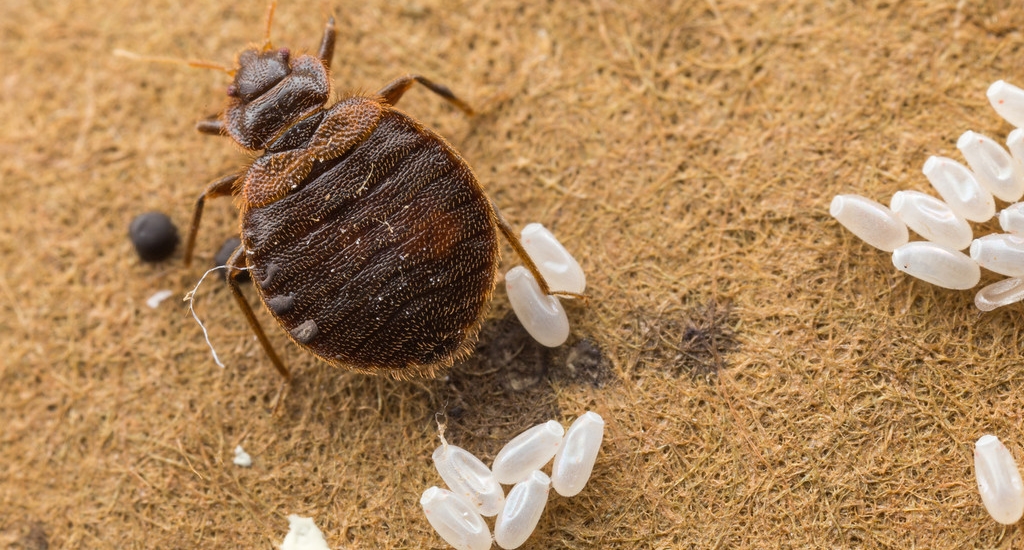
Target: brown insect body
x=381 y=258
x=367 y=235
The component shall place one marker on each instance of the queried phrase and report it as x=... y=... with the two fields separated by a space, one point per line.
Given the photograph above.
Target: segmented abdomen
x=384 y=258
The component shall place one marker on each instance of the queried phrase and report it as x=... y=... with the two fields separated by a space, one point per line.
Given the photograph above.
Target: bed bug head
x=271 y=92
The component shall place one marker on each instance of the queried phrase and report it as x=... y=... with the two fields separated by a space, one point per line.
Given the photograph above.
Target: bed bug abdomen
x=383 y=257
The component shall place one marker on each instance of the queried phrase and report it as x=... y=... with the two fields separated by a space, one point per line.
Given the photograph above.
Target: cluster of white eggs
x=999 y=481
x=475 y=490
x=541 y=315
x=968 y=195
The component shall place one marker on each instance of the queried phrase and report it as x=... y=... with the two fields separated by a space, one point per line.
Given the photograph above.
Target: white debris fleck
x=157 y=297
x=242 y=458
x=303 y=535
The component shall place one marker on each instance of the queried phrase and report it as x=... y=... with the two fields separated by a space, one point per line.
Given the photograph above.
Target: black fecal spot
x=306 y=332
x=583 y=363
x=154 y=236
x=509 y=384
x=695 y=341
x=268 y=279
x=282 y=304
x=33 y=538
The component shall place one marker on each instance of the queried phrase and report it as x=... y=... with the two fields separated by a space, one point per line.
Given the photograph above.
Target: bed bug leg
x=219 y=188
x=236 y=266
x=397 y=88
x=212 y=126
x=327 y=44
x=517 y=246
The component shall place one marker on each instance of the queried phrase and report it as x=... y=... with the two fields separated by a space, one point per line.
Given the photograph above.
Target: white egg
x=455 y=520
x=575 y=460
x=1003 y=293
x=1011 y=219
x=960 y=189
x=871 y=221
x=303 y=534
x=559 y=268
x=999 y=481
x=527 y=452
x=1015 y=142
x=1008 y=101
x=994 y=168
x=937 y=264
x=469 y=478
x=541 y=315
x=522 y=511
x=1002 y=253
x=932 y=219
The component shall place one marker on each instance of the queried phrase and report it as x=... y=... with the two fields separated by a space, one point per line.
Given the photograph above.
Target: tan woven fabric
x=767 y=380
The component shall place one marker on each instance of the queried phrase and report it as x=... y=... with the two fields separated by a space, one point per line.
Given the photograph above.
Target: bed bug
x=366 y=234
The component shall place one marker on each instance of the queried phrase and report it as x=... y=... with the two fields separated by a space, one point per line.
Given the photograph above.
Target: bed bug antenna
x=267 y=45
x=197 y=63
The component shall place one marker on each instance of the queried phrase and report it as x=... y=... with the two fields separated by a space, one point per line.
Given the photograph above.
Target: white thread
x=190 y=298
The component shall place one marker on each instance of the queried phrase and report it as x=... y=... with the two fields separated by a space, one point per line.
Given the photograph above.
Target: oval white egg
x=994 y=168
x=937 y=264
x=932 y=219
x=1011 y=219
x=999 y=294
x=541 y=315
x=469 y=478
x=575 y=460
x=869 y=220
x=527 y=451
x=455 y=520
x=960 y=189
x=999 y=481
x=1002 y=253
x=561 y=271
x=522 y=511
x=1008 y=101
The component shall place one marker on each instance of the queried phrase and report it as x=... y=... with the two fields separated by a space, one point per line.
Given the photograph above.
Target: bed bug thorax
x=367 y=236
